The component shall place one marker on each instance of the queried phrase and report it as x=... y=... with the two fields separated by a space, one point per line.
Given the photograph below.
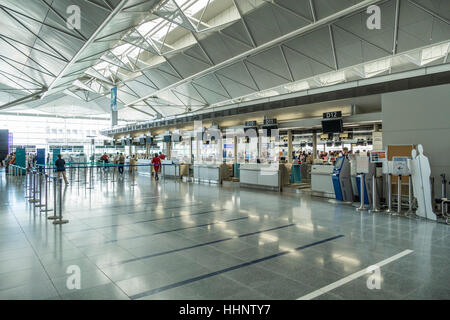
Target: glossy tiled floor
x=172 y=240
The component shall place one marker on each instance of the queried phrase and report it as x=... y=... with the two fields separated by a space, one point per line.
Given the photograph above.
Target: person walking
x=162 y=156
x=60 y=165
x=133 y=163
x=156 y=161
x=121 y=163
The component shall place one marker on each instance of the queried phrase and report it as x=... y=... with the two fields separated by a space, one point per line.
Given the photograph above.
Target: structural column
x=235 y=149
x=114 y=118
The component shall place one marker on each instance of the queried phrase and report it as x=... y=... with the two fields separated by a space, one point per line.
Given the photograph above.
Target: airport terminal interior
x=224 y=150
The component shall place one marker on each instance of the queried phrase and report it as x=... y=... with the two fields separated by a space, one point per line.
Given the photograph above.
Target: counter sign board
x=332 y=115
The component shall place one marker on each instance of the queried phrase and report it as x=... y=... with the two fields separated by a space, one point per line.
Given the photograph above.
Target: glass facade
x=43 y=132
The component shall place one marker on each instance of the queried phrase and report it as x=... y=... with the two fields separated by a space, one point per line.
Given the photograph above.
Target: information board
x=400 y=166
x=377 y=156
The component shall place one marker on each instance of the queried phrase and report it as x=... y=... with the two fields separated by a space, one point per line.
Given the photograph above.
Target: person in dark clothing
x=60 y=165
x=156 y=161
x=121 y=163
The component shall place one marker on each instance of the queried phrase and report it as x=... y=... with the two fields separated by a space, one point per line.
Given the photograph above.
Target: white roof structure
x=170 y=57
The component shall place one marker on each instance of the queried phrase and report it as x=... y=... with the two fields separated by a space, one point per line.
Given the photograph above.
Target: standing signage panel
x=56 y=152
x=20 y=158
x=40 y=158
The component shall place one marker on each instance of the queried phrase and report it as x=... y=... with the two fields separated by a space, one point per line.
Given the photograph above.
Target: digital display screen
x=176 y=138
x=339 y=162
x=141 y=141
x=332 y=126
x=167 y=138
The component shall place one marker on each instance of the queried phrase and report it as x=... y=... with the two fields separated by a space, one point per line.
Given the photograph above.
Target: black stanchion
x=54 y=179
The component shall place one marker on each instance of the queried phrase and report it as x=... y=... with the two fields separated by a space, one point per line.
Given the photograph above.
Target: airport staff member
x=121 y=163
x=156 y=161
x=60 y=165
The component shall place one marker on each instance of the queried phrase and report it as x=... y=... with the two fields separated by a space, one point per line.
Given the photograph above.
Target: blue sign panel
x=40 y=157
x=114 y=99
x=56 y=152
x=21 y=158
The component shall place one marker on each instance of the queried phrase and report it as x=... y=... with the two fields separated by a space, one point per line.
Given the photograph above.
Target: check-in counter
x=174 y=170
x=266 y=176
x=321 y=180
x=213 y=173
x=144 y=167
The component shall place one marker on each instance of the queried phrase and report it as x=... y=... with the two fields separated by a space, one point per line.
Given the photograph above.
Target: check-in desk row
x=212 y=173
x=321 y=180
x=265 y=176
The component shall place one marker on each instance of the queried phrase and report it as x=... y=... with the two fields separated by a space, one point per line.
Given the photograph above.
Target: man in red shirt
x=156 y=161
x=162 y=156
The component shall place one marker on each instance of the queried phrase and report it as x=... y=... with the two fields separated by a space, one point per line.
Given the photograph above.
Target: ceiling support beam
x=313 y=10
x=333 y=48
x=434 y=14
x=397 y=17
x=247 y=30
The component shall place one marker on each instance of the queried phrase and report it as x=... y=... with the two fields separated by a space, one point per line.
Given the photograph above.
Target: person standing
x=156 y=161
x=162 y=156
x=121 y=163
x=133 y=163
x=60 y=165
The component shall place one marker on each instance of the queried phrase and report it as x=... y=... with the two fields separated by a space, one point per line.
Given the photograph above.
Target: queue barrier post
x=374 y=208
x=55 y=199
x=59 y=219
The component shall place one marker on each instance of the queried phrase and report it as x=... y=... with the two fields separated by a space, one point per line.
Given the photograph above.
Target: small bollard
x=34 y=200
x=374 y=208
x=46 y=195
x=55 y=179
x=410 y=211
x=40 y=191
x=389 y=209
x=399 y=196
x=361 y=193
